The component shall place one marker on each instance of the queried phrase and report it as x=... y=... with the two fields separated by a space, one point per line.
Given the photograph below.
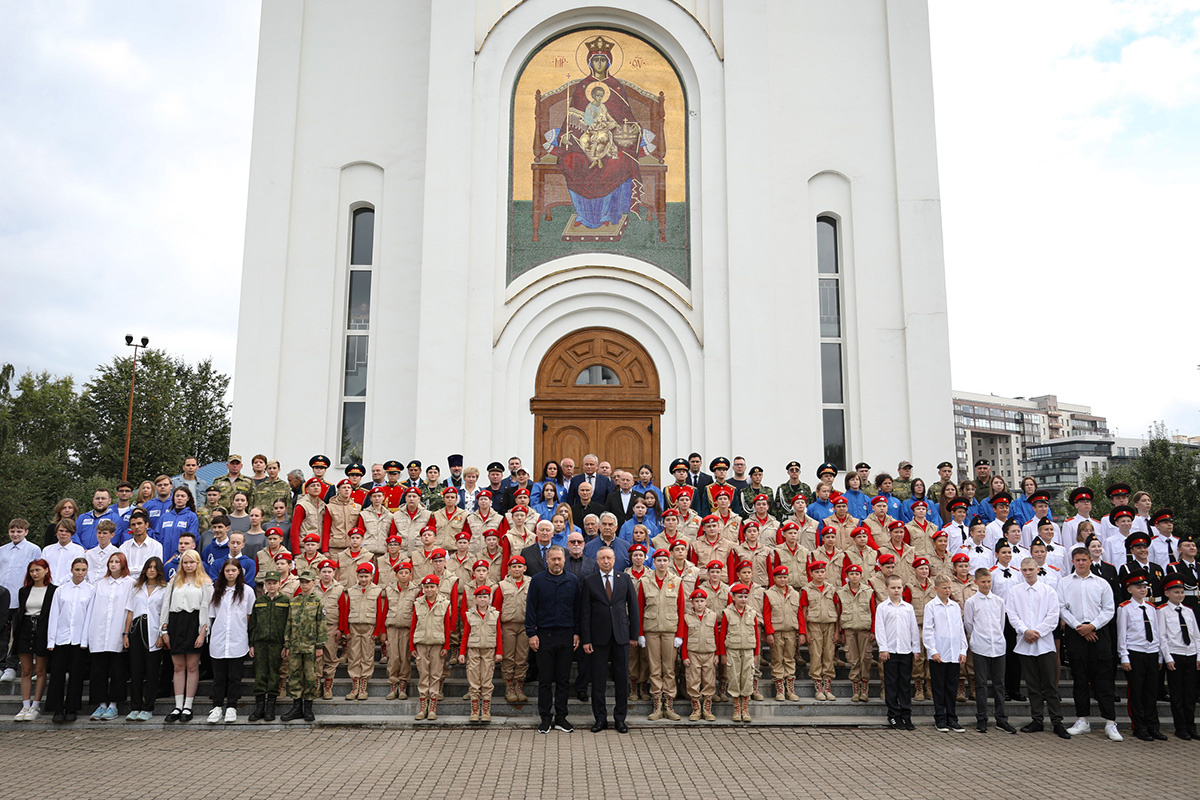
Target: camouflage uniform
x=901 y=490
x=267 y=492
x=784 y=496
x=268 y=627
x=743 y=503
x=431 y=497
x=204 y=519
x=306 y=632
x=229 y=485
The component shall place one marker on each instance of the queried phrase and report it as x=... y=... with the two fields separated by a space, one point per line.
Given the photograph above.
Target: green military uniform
x=901 y=490
x=204 y=516
x=268 y=627
x=229 y=486
x=306 y=631
x=784 y=496
x=431 y=496
x=267 y=492
x=933 y=494
x=744 y=500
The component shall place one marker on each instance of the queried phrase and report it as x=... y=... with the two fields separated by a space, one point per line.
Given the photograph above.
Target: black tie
x=1041 y=572
x=1170 y=551
x=1187 y=637
x=544 y=554
x=1146 y=622
x=1008 y=573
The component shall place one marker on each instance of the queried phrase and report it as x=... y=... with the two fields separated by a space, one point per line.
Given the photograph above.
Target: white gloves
x=641 y=641
x=678 y=641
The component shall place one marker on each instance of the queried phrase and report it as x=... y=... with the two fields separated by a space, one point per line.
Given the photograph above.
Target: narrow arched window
x=833 y=353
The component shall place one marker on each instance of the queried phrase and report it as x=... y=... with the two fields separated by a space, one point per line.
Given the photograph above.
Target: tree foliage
x=58 y=442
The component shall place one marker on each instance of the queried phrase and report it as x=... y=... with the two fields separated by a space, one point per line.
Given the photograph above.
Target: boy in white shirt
x=1138 y=644
x=898 y=638
x=946 y=649
x=983 y=617
x=1178 y=625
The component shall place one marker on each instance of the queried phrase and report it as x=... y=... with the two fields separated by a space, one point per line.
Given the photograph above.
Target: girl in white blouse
x=143 y=638
x=103 y=637
x=64 y=638
x=183 y=628
x=229 y=639
x=29 y=636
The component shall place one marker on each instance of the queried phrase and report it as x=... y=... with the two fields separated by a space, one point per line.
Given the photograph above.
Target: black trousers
x=583 y=670
x=1182 y=683
x=943 y=681
x=989 y=669
x=227 y=681
x=615 y=654
x=65 y=692
x=1012 y=663
x=1092 y=672
x=107 y=681
x=8 y=656
x=1041 y=678
x=144 y=666
x=897 y=685
x=1143 y=691
x=553 y=658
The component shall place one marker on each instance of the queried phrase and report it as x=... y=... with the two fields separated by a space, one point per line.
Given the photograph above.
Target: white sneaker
x=1081 y=726
x=216 y=715
x=22 y=715
x=231 y=714
x=1110 y=730
x=9 y=675
x=32 y=714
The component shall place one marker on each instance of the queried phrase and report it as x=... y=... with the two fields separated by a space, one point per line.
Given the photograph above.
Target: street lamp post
x=132 y=379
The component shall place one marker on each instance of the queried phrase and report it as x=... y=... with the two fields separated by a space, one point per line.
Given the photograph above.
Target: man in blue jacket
x=552 y=625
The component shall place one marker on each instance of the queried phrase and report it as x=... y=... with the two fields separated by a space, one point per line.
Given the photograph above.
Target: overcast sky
x=1067 y=137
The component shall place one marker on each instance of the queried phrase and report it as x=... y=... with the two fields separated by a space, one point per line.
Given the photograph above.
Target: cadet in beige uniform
x=343 y=516
x=902 y=554
x=752 y=549
x=698 y=646
x=781 y=622
x=878 y=522
x=818 y=626
x=336 y=606
x=450 y=520
x=859 y=554
x=481 y=650
x=920 y=530
x=376 y=522
x=367 y=617
x=680 y=567
x=918 y=593
x=422 y=556
x=349 y=559
x=410 y=518
x=856 y=612
x=728 y=523
x=939 y=558
x=660 y=599
x=483 y=517
x=401 y=595
x=768 y=526
x=711 y=545
x=387 y=564
x=842 y=522
x=738 y=648
x=265 y=557
x=429 y=640
x=793 y=555
x=639 y=663
x=689 y=521
x=510 y=597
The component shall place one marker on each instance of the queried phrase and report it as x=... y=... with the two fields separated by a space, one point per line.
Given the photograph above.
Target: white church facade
x=544 y=228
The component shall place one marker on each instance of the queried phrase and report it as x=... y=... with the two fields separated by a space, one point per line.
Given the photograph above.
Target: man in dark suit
x=699 y=480
x=601 y=484
x=584 y=504
x=535 y=554
x=620 y=502
x=608 y=623
x=521 y=481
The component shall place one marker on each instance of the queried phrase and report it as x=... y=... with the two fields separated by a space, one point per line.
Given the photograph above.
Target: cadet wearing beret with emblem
x=337 y=621
x=698 y=646
x=367 y=615
x=481 y=649
x=429 y=639
x=738 y=648
x=401 y=595
x=660 y=597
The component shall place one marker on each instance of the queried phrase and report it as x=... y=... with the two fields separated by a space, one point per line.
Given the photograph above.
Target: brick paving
x=455 y=764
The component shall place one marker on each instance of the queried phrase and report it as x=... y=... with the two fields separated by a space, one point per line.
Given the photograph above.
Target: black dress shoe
x=59 y=718
x=581 y=697
x=70 y=717
x=599 y=725
x=1004 y=726
x=1183 y=735
x=908 y=724
x=1034 y=727
x=981 y=727
x=623 y=728
x=1145 y=737
x=1158 y=736
x=1017 y=698
x=1060 y=731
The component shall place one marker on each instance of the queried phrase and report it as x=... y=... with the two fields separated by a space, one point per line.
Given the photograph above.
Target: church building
x=640 y=228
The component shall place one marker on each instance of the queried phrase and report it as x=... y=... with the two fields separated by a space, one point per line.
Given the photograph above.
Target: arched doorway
x=597 y=392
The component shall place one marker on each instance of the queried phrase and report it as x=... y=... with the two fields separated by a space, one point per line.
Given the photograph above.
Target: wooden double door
x=597 y=392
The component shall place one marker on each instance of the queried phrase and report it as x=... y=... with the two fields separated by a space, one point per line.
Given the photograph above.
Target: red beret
x=312 y=537
x=311 y=482
x=327 y=563
x=430 y=580
x=660 y=552
x=958 y=558
x=516 y=560
x=521 y=493
x=716 y=563
x=789 y=526
x=919 y=561
x=861 y=529
x=437 y=553
x=345 y=482
x=394 y=540
x=839 y=499
x=895 y=525
x=709 y=518
x=780 y=570
x=814 y=565
x=854 y=568
x=878 y=499
x=938 y=535
x=491 y=532
x=670 y=512
x=886 y=558
x=408 y=565
x=750 y=523
x=412 y=490
x=364 y=567
x=480 y=562
x=285 y=555
x=462 y=536
x=761 y=496
x=920 y=504
x=483 y=590
x=484 y=493
x=739 y=588
x=697 y=593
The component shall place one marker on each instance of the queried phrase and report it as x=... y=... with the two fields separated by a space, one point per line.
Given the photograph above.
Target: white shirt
x=943 y=632
x=148 y=604
x=1004 y=578
x=1172 y=634
x=1070 y=529
x=980 y=555
x=1115 y=552
x=994 y=533
x=1033 y=607
x=896 y=628
x=229 y=633
x=68 y=612
x=106 y=615
x=59 y=558
x=14 y=562
x=1164 y=550
x=1084 y=600
x=97 y=559
x=984 y=621
x=1049 y=575
x=1131 y=629
x=137 y=555
x=1030 y=529
x=957 y=534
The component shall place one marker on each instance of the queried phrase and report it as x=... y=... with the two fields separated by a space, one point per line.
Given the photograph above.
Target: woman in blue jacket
x=1022 y=509
x=859 y=502
x=918 y=493
x=178 y=519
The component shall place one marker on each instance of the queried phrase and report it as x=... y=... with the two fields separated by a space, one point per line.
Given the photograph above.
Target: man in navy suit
x=608 y=623
x=699 y=480
x=601 y=484
x=535 y=554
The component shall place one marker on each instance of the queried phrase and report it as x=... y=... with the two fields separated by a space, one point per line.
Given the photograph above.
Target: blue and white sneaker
x=98 y=714
x=110 y=713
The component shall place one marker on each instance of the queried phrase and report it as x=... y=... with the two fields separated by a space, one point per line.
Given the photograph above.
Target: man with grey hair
x=591 y=527
x=608 y=538
x=552 y=625
x=296 y=481
x=608 y=627
x=535 y=554
x=601 y=484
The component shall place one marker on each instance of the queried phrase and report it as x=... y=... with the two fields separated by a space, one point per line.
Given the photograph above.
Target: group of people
x=954 y=591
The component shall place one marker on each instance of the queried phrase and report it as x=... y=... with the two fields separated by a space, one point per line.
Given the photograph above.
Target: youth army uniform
x=397 y=629
x=408 y=527
x=478 y=524
x=856 y=614
x=768 y=529
x=661 y=606
x=904 y=556
x=738 y=641
x=429 y=635
x=761 y=559
x=367 y=617
x=385 y=569
x=880 y=531
x=844 y=529
x=729 y=527
x=267 y=635
x=699 y=648
x=375 y=528
x=482 y=642
x=336 y=605
x=818 y=622
x=348 y=563
x=305 y=636
x=308 y=518
x=448 y=526
x=510 y=597
x=639 y=661
x=919 y=594
x=264 y=561
x=781 y=620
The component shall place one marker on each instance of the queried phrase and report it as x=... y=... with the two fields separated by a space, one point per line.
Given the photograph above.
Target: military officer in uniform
x=788 y=490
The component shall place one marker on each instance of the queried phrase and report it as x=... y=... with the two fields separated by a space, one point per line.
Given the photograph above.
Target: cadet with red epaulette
x=401 y=594
x=429 y=639
x=738 y=648
x=348 y=560
x=661 y=605
x=698 y=646
x=481 y=650
x=818 y=627
x=510 y=598
x=781 y=623
x=336 y=605
x=855 y=619
x=1139 y=644
x=367 y=618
